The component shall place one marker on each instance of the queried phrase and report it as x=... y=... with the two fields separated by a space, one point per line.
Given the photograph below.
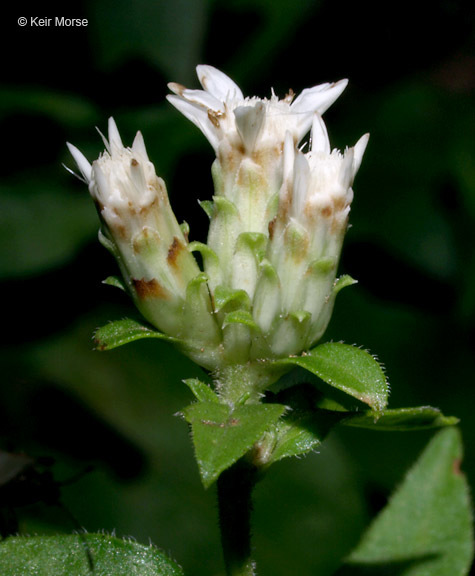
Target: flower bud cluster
x=277 y=222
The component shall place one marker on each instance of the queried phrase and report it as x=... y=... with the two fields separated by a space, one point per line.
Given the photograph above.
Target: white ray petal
x=289 y=156
x=104 y=141
x=319 y=98
x=138 y=145
x=249 y=121
x=319 y=136
x=301 y=183
x=101 y=191
x=199 y=97
x=218 y=83
x=115 y=141
x=197 y=115
x=346 y=173
x=359 y=150
x=81 y=161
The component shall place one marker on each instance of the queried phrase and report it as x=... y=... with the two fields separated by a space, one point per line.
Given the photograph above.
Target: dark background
x=411 y=246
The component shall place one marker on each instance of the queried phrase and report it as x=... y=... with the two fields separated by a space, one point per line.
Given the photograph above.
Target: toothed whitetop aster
x=222 y=112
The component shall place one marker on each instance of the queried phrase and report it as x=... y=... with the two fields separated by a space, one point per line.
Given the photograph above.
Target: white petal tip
x=360 y=146
x=364 y=138
x=81 y=161
x=319 y=136
x=359 y=149
x=337 y=88
x=138 y=145
x=343 y=83
x=176 y=88
x=318 y=99
x=218 y=83
x=204 y=70
x=115 y=141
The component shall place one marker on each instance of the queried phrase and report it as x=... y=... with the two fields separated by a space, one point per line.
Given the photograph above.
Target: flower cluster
x=277 y=222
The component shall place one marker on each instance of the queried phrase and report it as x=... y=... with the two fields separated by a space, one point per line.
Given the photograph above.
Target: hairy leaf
x=347 y=369
x=304 y=426
x=82 y=555
x=417 y=418
x=202 y=391
x=222 y=435
x=122 y=332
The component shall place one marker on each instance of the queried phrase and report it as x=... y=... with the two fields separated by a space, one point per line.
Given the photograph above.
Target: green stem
x=235 y=487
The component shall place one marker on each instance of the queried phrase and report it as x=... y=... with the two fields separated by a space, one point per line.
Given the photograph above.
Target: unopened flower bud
x=307 y=236
x=140 y=229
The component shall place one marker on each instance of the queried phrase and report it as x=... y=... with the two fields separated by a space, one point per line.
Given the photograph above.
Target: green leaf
x=82 y=555
x=426 y=529
x=347 y=369
x=222 y=435
x=122 y=332
x=310 y=417
x=304 y=426
x=401 y=419
x=202 y=391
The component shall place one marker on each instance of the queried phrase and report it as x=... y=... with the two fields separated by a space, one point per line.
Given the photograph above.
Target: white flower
x=140 y=229
x=248 y=136
x=307 y=236
x=222 y=112
x=122 y=181
x=317 y=186
x=277 y=223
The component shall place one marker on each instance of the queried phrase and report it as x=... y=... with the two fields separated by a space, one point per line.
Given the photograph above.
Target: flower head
x=222 y=112
x=306 y=236
x=248 y=135
x=140 y=229
x=122 y=181
x=317 y=186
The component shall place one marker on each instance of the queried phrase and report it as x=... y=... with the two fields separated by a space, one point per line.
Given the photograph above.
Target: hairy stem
x=235 y=487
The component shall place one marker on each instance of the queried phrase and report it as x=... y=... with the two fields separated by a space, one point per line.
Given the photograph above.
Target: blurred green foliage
x=411 y=246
